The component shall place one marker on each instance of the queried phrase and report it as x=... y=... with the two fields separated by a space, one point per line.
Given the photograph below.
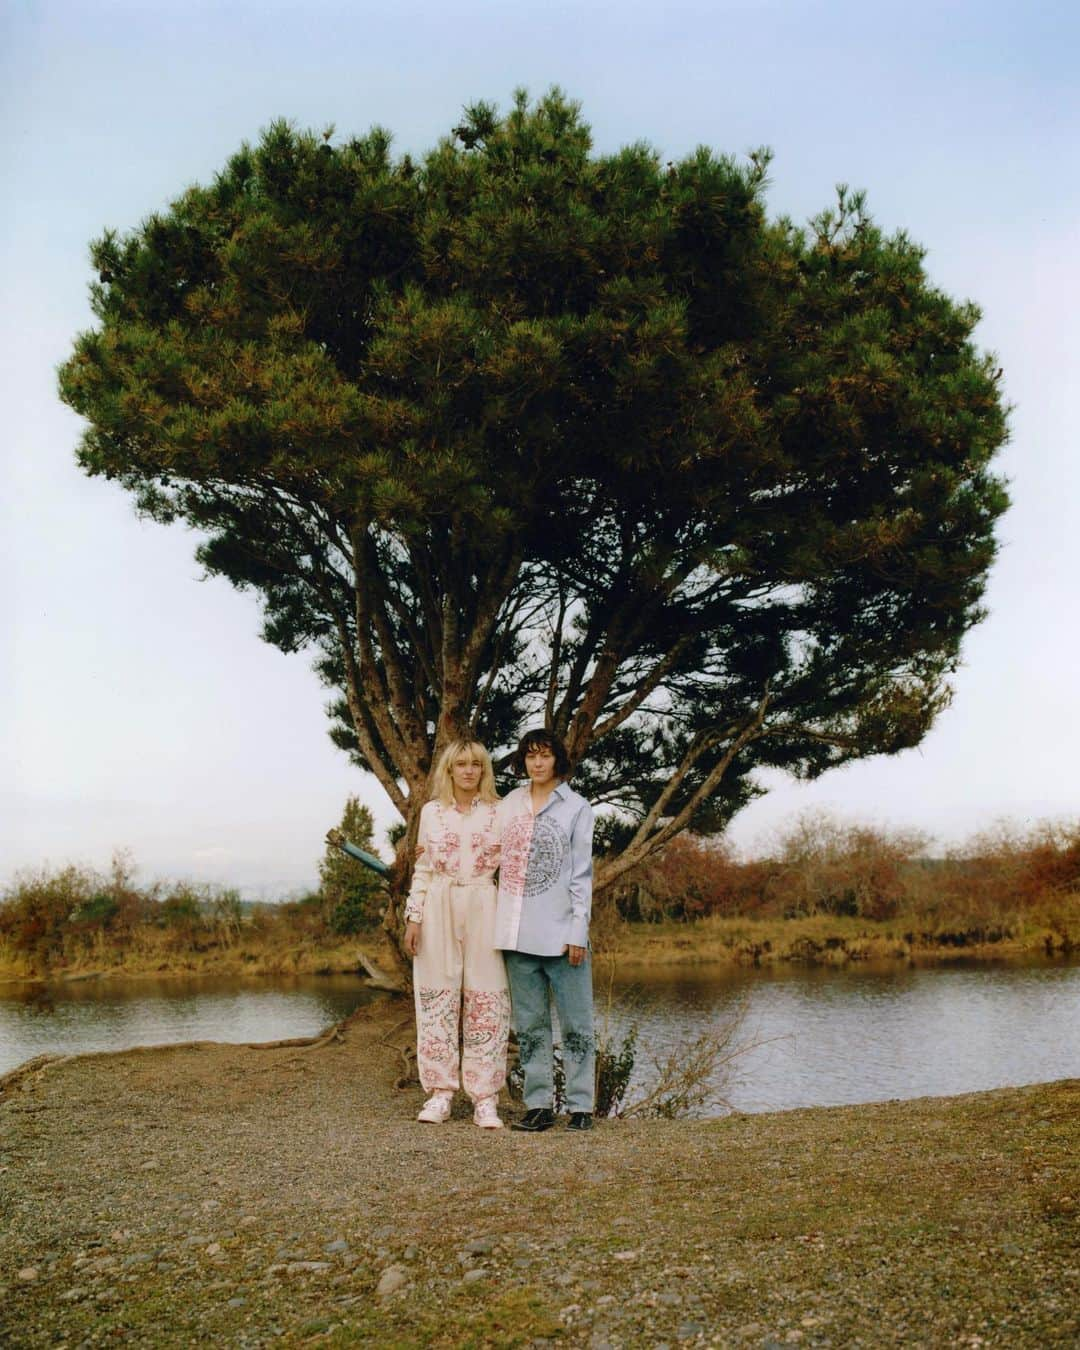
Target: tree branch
x=376 y=695
x=556 y=656
x=401 y=705
x=362 y=724
x=646 y=841
x=644 y=689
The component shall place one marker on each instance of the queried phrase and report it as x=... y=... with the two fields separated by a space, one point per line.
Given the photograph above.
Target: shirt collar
x=471 y=806
x=559 y=790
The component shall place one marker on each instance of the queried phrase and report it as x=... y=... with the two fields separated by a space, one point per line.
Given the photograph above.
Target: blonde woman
x=450 y=933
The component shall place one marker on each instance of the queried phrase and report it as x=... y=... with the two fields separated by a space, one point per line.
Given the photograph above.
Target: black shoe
x=532 y=1122
x=580 y=1120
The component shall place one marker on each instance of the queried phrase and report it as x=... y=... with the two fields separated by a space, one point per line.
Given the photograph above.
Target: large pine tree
x=518 y=432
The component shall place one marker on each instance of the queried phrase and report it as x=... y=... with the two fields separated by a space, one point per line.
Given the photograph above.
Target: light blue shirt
x=545 y=872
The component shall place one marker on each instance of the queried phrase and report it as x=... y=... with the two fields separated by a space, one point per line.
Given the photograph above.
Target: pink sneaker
x=485 y=1114
x=437 y=1108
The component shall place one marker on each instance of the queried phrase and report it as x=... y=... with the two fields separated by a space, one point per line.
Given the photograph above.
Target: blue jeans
x=531 y=978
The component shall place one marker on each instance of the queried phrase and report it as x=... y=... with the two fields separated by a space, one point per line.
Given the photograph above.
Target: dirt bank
x=238 y=1196
x=816 y=940
x=835 y=941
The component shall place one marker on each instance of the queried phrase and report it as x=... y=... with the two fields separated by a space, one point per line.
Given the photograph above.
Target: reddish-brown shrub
x=824 y=866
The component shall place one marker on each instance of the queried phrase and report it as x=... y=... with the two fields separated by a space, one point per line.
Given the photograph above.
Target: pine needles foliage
x=518 y=430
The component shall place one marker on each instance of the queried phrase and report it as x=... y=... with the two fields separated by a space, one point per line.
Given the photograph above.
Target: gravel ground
x=240 y=1196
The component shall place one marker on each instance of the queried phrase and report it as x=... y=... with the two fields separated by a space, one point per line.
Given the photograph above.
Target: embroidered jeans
x=533 y=979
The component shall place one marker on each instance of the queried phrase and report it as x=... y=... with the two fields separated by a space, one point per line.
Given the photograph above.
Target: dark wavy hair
x=540 y=740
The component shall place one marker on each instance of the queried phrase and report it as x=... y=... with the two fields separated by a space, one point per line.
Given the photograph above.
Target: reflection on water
x=827 y=1037
x=823 y=1037
x=89 y=1015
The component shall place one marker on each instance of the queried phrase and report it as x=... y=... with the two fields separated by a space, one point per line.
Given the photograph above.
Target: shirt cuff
x=413 y=914
x=579 y=932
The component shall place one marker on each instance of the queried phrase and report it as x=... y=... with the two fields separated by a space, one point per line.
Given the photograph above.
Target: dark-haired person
x=542 y=926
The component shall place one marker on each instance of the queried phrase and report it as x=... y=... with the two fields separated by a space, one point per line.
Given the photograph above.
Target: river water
x=807 y=1037
x=822 y=1037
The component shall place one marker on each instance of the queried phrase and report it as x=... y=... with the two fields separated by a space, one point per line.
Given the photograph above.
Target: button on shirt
x=545 y=875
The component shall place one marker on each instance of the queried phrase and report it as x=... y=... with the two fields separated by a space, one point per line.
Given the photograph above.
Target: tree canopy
x=518 y=432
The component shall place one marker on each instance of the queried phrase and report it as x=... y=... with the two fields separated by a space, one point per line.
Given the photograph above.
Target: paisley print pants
x=459 y=983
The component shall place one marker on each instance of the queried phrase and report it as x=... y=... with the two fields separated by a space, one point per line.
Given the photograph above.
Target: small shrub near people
x=353 y=897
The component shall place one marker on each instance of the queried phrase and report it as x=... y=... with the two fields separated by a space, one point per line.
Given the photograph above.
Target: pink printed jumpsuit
x=457 y=971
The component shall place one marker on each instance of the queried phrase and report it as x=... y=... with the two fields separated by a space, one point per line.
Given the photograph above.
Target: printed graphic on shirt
x=446 y=851
x=533 y=850
x=485 y=852
x=515 y=854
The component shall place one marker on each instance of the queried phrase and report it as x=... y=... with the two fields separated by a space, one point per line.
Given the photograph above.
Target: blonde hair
x=442 y=785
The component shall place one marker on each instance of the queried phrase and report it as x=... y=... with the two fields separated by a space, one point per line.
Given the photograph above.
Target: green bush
x=353 y=914
x=98 y=912
x=181 y=910
x=614 y=1067
x=353 y=895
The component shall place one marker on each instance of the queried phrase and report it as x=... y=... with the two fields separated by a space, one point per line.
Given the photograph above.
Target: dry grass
x=822 y=939
x=150 y=959
x=831 y=892
x=921 y=1223
x=76 y=922
x=828 y=893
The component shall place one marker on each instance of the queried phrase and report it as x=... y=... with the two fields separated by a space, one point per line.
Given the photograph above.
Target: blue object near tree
x=368 y=859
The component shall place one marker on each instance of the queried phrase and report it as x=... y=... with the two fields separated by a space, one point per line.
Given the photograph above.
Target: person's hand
x=576 y=954
x=411 y=942
x=335 y=837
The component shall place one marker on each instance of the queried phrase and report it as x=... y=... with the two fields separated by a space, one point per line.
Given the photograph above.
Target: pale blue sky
x=139 y=707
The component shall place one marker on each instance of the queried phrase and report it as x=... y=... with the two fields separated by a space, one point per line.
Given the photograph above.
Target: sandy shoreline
x=248 y=1196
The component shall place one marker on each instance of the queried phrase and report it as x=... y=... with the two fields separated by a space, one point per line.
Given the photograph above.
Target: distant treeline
x=76 y=917
x=992 y=888
x=825 y=867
